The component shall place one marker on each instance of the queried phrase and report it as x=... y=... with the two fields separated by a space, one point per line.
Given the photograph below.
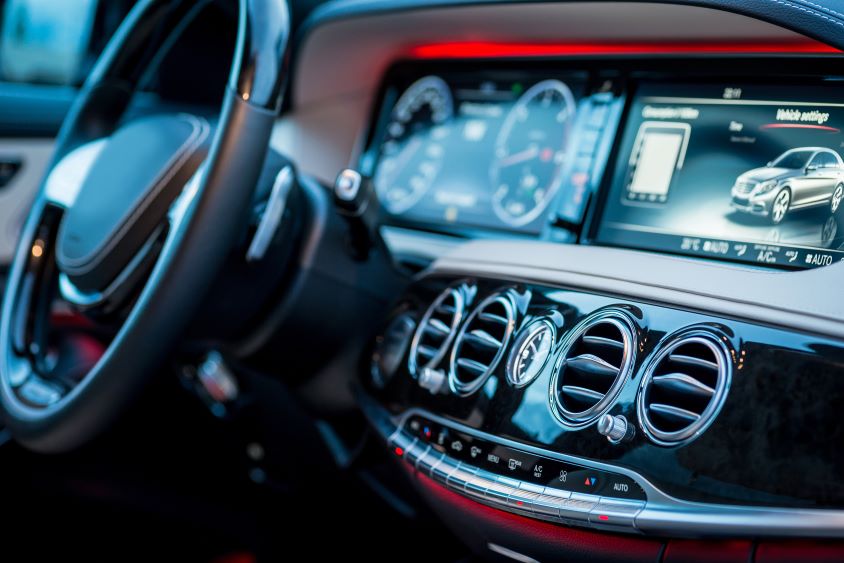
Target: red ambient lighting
x=603 y=517
x=487 y=49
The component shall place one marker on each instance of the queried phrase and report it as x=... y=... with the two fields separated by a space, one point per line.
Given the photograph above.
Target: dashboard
x=624 y=337
x=723 y=166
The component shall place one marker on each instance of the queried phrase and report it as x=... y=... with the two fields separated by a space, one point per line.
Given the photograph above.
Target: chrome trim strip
x=510 y=554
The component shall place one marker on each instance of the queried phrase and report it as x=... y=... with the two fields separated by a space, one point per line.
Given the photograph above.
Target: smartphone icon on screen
x=658 y=153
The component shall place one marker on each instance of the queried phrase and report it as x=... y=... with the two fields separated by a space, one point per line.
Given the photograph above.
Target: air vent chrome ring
x=700 y=392
x=597 y=359
x=438 y=327
x=481 y=343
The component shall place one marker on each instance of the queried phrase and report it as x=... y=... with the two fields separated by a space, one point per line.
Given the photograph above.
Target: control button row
x=547 y=503
x=521 y=466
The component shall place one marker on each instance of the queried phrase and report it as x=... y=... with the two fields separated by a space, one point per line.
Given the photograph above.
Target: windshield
x=793 y=159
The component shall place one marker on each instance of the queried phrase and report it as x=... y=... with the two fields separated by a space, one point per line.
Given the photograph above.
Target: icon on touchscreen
x=658 y=152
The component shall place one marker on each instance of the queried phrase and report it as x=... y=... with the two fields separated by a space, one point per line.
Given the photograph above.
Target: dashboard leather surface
x=819 y=19
x=760 y=295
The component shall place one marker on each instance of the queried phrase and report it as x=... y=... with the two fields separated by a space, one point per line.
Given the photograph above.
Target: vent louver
x=481 y=343
x=438 y=327
x=598 y=358
x=683 y=388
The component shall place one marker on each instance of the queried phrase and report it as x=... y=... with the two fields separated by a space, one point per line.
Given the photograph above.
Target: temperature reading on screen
x=732 y=93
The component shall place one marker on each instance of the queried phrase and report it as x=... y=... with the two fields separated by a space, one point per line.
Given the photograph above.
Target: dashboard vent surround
x=481 y=343
x=438 y=327
x=684 y=387
x=598 y=358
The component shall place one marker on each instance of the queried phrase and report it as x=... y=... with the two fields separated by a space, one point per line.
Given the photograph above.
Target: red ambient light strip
x=485 y=49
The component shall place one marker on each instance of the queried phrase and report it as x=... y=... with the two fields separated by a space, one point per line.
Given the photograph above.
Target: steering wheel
x=132 y=223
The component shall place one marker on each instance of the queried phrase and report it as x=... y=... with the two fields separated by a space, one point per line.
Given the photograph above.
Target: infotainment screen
x=738 y=172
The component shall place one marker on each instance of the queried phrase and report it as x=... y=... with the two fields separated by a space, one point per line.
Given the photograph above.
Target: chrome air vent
x=598 y=358
x=683 y=388
x=436 y=331
x=481 y=343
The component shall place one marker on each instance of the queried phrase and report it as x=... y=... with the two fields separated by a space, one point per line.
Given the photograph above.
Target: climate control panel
x=518 y=480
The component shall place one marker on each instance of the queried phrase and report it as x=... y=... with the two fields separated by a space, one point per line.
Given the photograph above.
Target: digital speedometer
x=530 y=151
x=412 y=149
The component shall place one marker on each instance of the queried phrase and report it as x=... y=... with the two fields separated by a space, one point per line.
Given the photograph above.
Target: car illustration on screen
x=797 y=179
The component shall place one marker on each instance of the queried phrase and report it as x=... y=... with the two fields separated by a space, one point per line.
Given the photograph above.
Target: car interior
x=422 y=280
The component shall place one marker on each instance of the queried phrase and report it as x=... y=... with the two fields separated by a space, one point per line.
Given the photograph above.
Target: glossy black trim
x=774 y=442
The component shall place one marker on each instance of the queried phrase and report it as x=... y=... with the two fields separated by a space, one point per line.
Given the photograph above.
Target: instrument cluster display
x=479 y=150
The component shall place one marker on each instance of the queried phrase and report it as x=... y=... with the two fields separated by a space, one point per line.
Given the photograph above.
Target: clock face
x=530 y=353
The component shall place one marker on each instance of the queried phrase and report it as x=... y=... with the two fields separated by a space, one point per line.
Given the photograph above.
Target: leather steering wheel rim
x=212 y=210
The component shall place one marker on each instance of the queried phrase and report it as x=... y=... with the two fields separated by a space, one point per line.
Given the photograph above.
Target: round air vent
x=684 y=386
x=481 y=343
x=598 y=358
x=436 y=331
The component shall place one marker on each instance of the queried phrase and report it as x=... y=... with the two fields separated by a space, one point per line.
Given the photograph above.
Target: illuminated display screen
x=747 y=173
x=487 y=150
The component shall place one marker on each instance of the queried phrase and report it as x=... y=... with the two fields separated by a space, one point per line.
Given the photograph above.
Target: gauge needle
x=526 y=154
